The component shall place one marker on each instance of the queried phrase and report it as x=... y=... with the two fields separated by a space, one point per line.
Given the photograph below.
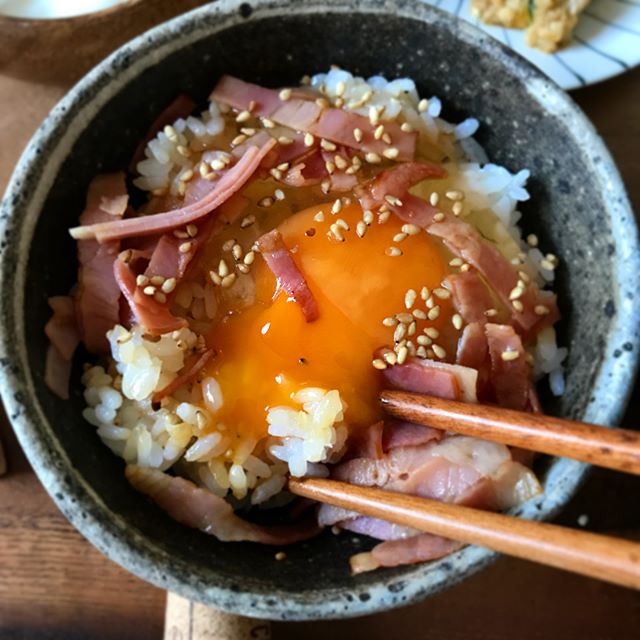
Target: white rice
x=301 y=439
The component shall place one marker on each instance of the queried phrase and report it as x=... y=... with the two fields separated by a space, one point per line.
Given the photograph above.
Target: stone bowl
x=578 y=207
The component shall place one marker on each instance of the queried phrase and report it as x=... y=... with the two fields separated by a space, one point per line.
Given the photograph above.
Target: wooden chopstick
x=597 y=556
x=612 y=448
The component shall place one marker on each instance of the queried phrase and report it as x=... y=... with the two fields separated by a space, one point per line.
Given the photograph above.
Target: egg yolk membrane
x=266 y=352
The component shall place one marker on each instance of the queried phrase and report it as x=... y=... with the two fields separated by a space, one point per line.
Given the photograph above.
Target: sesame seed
x=367 y=217
x=456 y=321
x=424 y=293
x=243 y=268
x=284 y=94
x=411 y=348
x=361 y=229
x=393 y=252
x=308 y=140
x=541 y=310
x=323 y=103
x=185 y=176
x=279 y=194
x=342 y=224
x=430 y=302
x=389 y=321
x=149 y=291
x=350 y=171
x=399 y=333
x=393 y=200
x=217 y=165
x=456 y=262
x=215 y=278
x=438 y=217
x=432 y=332
x=403 y=352
x=192 y=230
x=227 y=281
x=516 y=293
x=340 y=88
x=171 y=133
x=185 y=247
x=325 y=185
x=404 y=317
x=390 y=357
x=439 y=351
x=276 y=173
x=379 y=131
x=518 y=306
x=319 y=217
x=508 y=356
x=412 y=328
x=156 y=280
x=423 y=105
x=268 y=124
x=341 y=163
x=357 y=134
x=169 y=285
x=374 y=115
x=421 y=352
x=372 y=158
x=249 y=258
x=399 y=237
x=441 y=293
x=383 y=216
x=142 y=281
x=265 y=202
x=454 y=195
x=434 y=313
x=406 y=127
x=243 y=116
x=410 y=229
x=379 y=364
x=247 y=221
x=237 y=251
x=465 y=267
x=285 y=140
x=160 y=297
x=182 y=188
x=337 y=232
x=457 y=208
x=203 y=169
x=420 y=314
x=238 y=140
x=386 y=138
x=423 y=340
x=252 y=105
x=336 y=207
x=327 y=145
x=248 y=131
x=228 y=245
x=524 y=276
x=551 y=258
x=183 y=151
x=223 y=269
x=330 y=166
x=434 y=198
x=366 y=96
x=490 y=313
x=410 y=298
x=532 y=240
x=547 y=264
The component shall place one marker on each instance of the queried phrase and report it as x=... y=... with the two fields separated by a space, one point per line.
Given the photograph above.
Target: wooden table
x=55 y=585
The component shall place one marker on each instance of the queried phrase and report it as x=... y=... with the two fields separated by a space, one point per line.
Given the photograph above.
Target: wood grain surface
x=55 y=586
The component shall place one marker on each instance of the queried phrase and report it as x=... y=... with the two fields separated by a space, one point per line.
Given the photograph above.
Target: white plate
x=605 y=43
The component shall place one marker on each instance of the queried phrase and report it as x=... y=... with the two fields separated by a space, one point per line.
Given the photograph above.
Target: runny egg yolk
x=267 y=352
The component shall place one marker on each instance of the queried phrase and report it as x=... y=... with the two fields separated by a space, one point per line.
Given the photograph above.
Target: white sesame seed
x=374 y=115
x=412 y=328
x=532 y=240
x=443 y=294
x=357 y=134
x=386 y=138
x=425 y=293
x=430 y=302
x=217 y=164
x=438 y=217
x=518 y=306
x=228 y=245
x=423 y=340
x=325 y=185
x=308 y=140
x=390 y=357
x=243 y=268
x=248 y=131
x=393 y=200
x=330 y=166
x=404 y=317
x=285 y=140
x=185 y=247
x=223 y=269
x=336 y=207
x=284 y=94
x=410 y=298
x=249 y=258
x=457 y=208
x=183 y=151
x=156 y=280
x=524 y=276
x=238 y=140
x=228 y=280
x=423 y=105
x=454 y=195
x=391 y=153
x=283 y=166
x=268 y=124
x=420 y=314
x=406 y=127
x=432 y=332
x=169 y=285
x=399 y=333
x=399 y=237
x=516 y=293
x=279 y=194
x=456 y=262
x=403 y=352
x=342 y=224
x=341 y=163
x=393 y=252
x=142 y=281
x=265 y=202
x=439 y=351
x=410 y=229
x=372 y=158
x=541 y=310
x=421 y=352
x=319 y=217
x=456 y=321
x=361 y=229
x=170 y=132
x=490 y=313
x=434 y=198
x=465 y=267
x=434 y=313
x=379 y=364
x=247 y=221
x=337 y=232
x=327 y=145
x=252 y=105
x=383 y=216
x=215 y=278
x=243 y=116
x=149 y=291
x=379 y=131
x=340 y=88
x=236 y=250
x=367 y=217
x=547 y=264
x=389 y=321
x=507 y=356
x=323 y=103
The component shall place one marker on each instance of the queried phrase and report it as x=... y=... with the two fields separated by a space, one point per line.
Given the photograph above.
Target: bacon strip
x=232 y=181
x=302 y=114
x=510 y=378
x=290 y=279
x=471 y=297
x=200 y=509
x=188 y=374
x=98 y=292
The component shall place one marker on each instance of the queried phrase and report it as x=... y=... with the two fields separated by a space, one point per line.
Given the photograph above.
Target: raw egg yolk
x=267 y=351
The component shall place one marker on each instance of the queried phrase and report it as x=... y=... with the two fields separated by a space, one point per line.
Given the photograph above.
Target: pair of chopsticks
x=597 y=556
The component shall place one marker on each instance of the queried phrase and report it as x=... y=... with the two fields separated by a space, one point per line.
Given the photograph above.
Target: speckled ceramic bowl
x=578 y=207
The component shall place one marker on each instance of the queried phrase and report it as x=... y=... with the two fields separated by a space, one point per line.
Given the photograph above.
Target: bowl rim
x=108 y=531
